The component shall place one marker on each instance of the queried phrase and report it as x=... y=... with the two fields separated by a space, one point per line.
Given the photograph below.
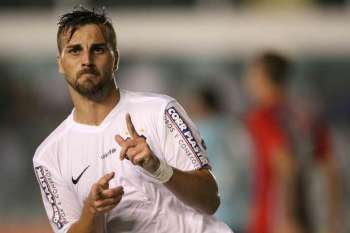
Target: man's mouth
x=87 y=74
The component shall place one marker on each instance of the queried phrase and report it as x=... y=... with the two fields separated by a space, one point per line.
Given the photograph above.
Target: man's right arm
x=87 y=222
x=59 y=201
x=101 y=200
x=63 y=209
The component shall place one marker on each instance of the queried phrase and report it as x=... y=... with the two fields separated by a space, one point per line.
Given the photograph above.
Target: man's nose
x=87 y=59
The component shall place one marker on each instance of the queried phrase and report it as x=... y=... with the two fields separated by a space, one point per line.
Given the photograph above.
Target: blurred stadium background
x=172 y=47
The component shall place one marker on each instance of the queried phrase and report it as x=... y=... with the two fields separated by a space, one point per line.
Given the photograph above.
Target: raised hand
x=101 y=198
x=136 y=149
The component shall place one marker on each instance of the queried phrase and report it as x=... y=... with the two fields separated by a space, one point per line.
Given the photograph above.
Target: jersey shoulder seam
x=53 y=137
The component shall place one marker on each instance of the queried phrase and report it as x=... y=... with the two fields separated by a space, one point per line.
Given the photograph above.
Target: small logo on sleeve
x=49 y=189
x=187 y=135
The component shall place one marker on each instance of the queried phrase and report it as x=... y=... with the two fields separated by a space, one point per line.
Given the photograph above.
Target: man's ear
x=116 y=60
x=59 y=63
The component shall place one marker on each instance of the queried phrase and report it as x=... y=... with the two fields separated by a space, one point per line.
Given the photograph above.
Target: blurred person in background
x=227 y=144
x=277 y=3
x=288 y=143
x=122 y=161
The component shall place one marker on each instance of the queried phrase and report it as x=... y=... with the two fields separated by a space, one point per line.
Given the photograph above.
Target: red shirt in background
x=271 y=129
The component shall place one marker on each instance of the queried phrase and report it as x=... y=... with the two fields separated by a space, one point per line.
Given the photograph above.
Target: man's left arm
x=327 y=162
x=196 y=188
x=333 y=195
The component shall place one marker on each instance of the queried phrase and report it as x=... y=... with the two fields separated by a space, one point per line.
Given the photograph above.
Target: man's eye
x=99 y=50
x=74 y=51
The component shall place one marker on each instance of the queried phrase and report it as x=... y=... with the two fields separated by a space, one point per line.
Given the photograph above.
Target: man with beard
x=122 y=161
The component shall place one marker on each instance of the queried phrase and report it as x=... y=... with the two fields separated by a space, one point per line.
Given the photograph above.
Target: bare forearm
x=334 y=206
x=285 y=169
x=87 y=223
x=197 y=189
x=287 y=186
x=286 y=174
x=82 y=227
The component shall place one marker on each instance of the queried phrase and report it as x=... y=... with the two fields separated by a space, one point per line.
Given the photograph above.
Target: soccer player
x=287 y=147
x=121 y=161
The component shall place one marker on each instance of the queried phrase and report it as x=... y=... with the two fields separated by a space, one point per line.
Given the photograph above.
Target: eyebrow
x=93 y=45
x=99 y=45
x=73 y=46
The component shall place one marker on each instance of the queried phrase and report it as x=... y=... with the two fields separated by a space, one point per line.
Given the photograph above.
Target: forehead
x=90 y=34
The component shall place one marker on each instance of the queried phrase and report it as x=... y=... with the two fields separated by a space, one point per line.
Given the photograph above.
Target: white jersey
x=75 y=156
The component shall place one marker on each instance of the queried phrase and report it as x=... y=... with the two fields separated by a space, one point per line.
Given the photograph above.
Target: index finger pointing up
x=131 y=128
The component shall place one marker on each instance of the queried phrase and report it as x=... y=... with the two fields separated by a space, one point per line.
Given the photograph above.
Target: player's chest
x=95 y=155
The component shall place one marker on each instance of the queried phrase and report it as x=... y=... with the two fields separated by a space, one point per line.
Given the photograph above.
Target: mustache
x=88 y=71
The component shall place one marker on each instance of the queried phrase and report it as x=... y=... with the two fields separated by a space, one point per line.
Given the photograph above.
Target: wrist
x=163 y=173
x=155 y=165
x=89 y=213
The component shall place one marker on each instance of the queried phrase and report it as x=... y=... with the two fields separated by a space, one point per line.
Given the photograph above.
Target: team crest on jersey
x=187 y=140
x=47 y=185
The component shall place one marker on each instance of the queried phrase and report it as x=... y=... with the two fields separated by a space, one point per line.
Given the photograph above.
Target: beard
x=96 y=88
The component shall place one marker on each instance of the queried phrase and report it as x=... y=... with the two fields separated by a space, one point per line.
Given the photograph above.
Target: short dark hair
x=277 y=66
x=81 y=16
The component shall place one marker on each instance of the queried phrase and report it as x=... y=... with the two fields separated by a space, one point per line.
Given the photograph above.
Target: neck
x=274 y=99
x=91 y=112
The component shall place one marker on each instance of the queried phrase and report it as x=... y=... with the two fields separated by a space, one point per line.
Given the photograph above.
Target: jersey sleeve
x=182 y=145
x=60 y=203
